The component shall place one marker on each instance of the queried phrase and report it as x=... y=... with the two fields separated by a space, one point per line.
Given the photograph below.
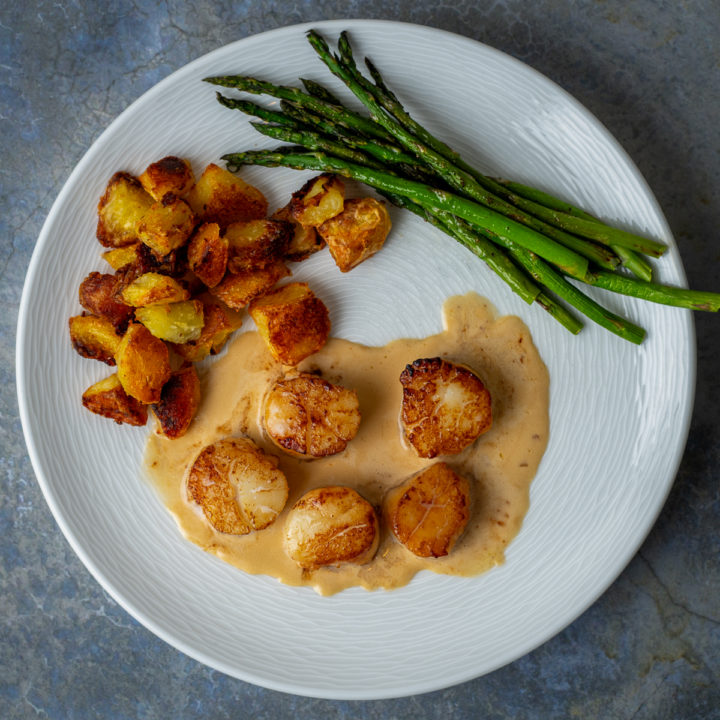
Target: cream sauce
x=500 y=465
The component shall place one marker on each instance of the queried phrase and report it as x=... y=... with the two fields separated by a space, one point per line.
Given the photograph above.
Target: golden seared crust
x=238 y=486
x=119 y=210
x=166 y=225
x=305 y=239
x=319 y=199
x=208 y=254
x=292 y=321
x=108 y=399
x=308 y=416
x=358 y=232
x=256 y=244
x=445 y=407
x=143 y=364
x=331 y=526
x=238 y=289
x=99 y=295
x=429 y=512
x=169 y=175
x=94 y=337
x=223 y=198
x=179 y=402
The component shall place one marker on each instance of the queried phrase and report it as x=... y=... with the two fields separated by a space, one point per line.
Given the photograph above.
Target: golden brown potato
x=238 y=486
x=224 y=198
x=256 y=243
x=331 y=526
x=218 y=325
x=120 y=209
x=153 y=288
x=238 y=289
x=98 y=294
x=177 y=322
x=319 y=199
x=310 y=417
x=429 y=512
x=94 y=337
x=166 y=225
x=107 y=398
x=169 y=175
x=143 y=364
x=179 y=402
x=305 y=239
x=292 y=321
x=445 y=407
x=121 y=257
x=358 y=232
x=208 y=254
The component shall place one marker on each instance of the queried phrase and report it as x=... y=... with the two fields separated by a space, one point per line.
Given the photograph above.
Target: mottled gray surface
x=650 y=647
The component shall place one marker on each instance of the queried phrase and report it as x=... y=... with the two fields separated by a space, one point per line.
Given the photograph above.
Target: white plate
x=619 y=413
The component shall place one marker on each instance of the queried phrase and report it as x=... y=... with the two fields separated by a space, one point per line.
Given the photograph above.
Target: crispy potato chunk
x=292 y=321
x=121 y=257
x=319 y=199
x=143 y=364
x=107 y=398
x=217 y=328
x=153 y=288
x=310 y=417
x=331 y=526
x=238 y=289
x=94 y=337
x=177 y=322
x=256 y=243
x=238 y=486
x=224 y=198
x=179 y=402
x=98 y=294
x=120 y=209
x=445 y=407
x=208 y=254
x=305 y=239
x=166 y=225
x=429 y=512
x=169 y=175
x=358 y=232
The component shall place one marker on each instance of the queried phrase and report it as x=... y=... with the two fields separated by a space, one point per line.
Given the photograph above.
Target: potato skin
x=169 y=175
x=428 y=512
x=143 y=364
x=98 y=294
x=94 y=338
x=108 y=399
x=119 y=210
x=207 y=254
x=179 y=402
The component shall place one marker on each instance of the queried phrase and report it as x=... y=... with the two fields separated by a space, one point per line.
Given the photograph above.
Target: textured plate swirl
x=619 y=413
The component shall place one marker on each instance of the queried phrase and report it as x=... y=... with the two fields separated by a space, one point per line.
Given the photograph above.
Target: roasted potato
x=177 y=322
x=179 y=402
x=292 y=321
x=223 y=198
x=429 y=512
x=120 y=209
x=121 y=257
x=238 y=289
x=445 y=407
x=143 y=364
x=319 y=199
x=169 y=175
x=218 y=325
x=153 y=288
x=331 y=526
x=304 y=240
x=238 y=486
x=310 y=417
x=356 y=233
x=256 y=243
x=107 y=398
x=94 y=337
x=207 y=254
x=166 y=225
x=98 y=294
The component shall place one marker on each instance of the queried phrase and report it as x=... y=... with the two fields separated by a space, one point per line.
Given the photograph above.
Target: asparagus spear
x=319 y=91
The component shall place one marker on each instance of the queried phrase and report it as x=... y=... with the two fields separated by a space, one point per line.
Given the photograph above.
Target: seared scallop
x=238 y=486
x=331 y=526
x=445 y=407
x=310 y=417
x=429 y=512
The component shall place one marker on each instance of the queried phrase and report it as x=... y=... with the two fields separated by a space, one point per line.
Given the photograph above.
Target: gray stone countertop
x=650 y=647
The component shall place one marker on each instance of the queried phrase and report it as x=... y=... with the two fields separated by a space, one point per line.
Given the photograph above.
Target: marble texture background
x=650 y=647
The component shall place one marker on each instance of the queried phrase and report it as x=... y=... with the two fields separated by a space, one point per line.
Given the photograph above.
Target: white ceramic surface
x=619 y=413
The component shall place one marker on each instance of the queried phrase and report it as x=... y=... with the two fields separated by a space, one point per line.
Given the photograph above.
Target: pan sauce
x=500 y=464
